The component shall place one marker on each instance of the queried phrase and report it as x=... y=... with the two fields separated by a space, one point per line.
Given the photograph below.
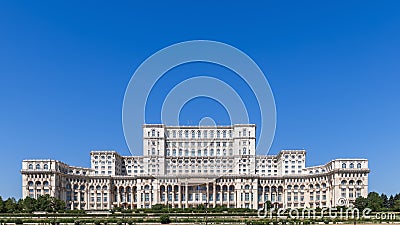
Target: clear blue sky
x=333 y=67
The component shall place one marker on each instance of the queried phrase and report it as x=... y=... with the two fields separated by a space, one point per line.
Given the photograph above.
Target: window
x=37 y=166
x=186 y=134
x=46 y=167
x=30 y=167
x=344 y=165
x=358 y=165
x=351 y=165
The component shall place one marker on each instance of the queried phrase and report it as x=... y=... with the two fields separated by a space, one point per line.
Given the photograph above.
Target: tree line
x=28 y=205
x=378 y=202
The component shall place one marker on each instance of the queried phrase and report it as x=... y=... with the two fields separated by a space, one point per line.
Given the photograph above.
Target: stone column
x=214 y=194
x=180 y=196
x=186 y=196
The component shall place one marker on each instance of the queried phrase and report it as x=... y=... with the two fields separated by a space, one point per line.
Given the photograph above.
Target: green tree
x=361 y=203
x=164 y=219
x=391 y=202
x=28 y=204
x=385 y=200
x=10 y=205
x=396 y=205
x=375 y=202
x=1 y=205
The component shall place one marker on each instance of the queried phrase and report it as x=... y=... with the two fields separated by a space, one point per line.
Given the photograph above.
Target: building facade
x=190 y=165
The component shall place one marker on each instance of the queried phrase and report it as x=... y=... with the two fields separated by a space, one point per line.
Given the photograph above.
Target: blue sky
x=333 y=67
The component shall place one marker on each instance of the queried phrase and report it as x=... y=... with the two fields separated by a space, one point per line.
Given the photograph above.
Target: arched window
x=193 y=134
x=180 y=134
x=224 y=134
x=186 y=134
x=351 y=165
x=153 y=132
x=46 y=167
x=218 y=134
x=30 y=167
x=244 y=151
x=343 y=182
x=30 y=183
x=37 y=166
x=46 y=183
x=344 y=165
x=358 y=165
x=247 y=187
x=198 y=134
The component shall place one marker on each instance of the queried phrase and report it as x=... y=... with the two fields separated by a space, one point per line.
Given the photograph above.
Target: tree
x=164 y=219
x=385 y=200
x=361 y=203
x=396 y=205
x=10 y=205
x=28 y=204
x=375 y=202
x=1 y=205
x=391 y=202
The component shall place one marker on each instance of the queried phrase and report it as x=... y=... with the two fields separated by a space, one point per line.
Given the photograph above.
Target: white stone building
x=190 y=165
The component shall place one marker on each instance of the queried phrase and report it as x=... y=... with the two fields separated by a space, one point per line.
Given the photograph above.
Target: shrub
x=164 y=219
x=97 y=222
x=18 y=221
x=119 y=222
